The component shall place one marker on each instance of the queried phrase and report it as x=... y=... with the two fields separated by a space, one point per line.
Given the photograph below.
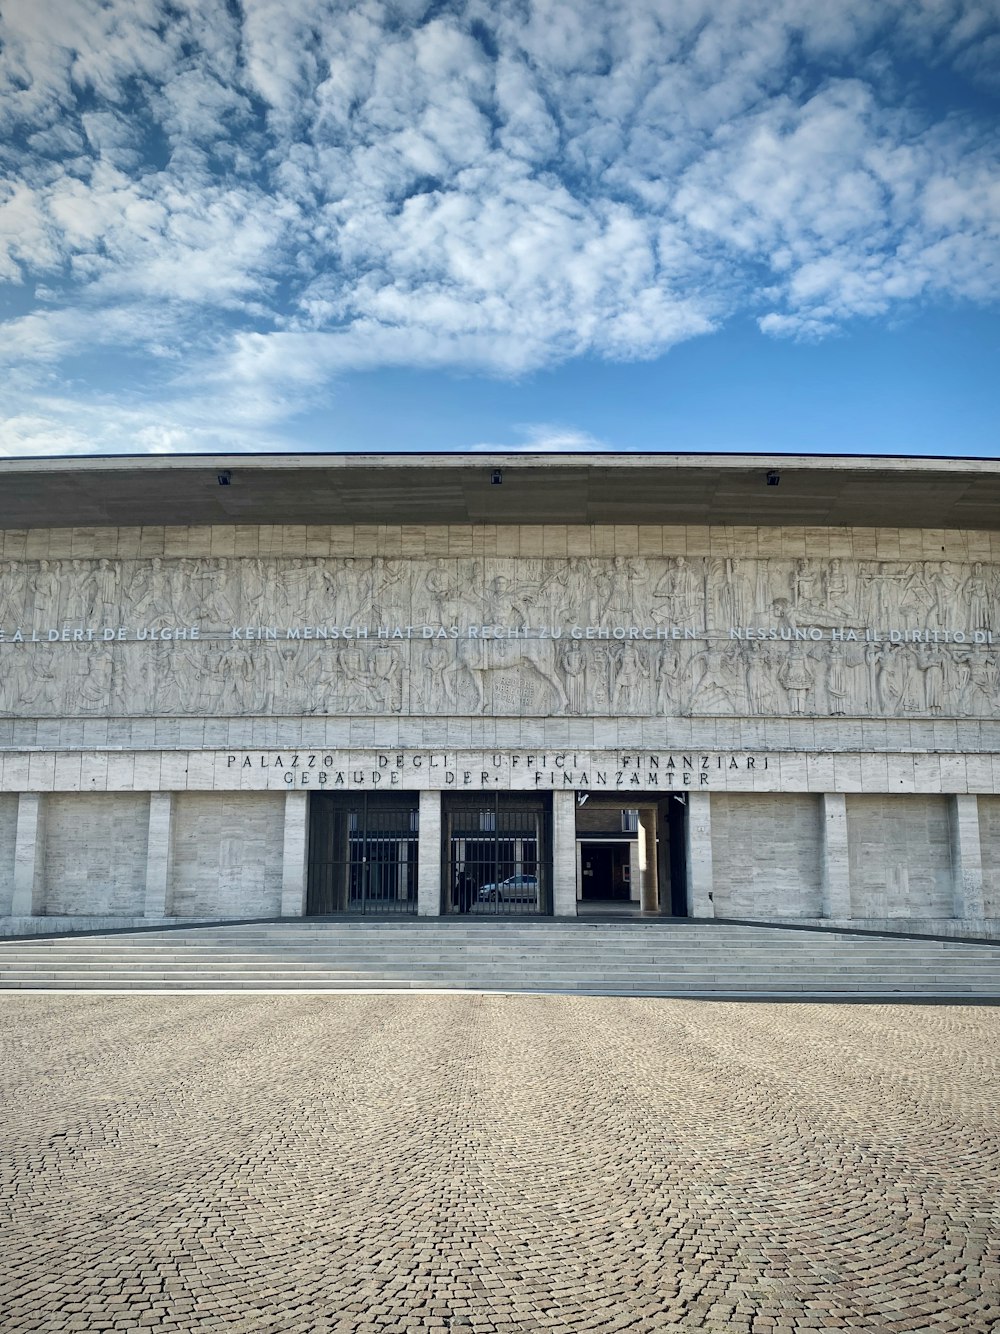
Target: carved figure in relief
x=758 y=659
x=621 y=580
x=797 y=677
x=93 y=678
x=21 y=681
x=883 y=588
x=45 y=595
x=718 y=686
x=736 y=600
x=79 y=593
x=931 y=665
x=12 y=585
x=781 y=610
x=255 y=584
x=354 y=679
x=131 y=690
x=501 y=605
x=876 y=664
x=837 y=591
x=628 y=672
x=573 y=666
x=677 y=597
x=294 y=591
x=143 y=590
x=438 y=678
x=107 y=601
x=905 y=683
x=386 y=679
x=805 y=589
x=838 y=682
x=943 y=585
x=581 y=598
x=977 y=598
x=529 y=661
x=980 y=686
x=668 y=680
x=388 y=599
x=445 y=594
x=218 y=594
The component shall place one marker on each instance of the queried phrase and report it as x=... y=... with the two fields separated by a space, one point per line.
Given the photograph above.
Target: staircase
x=622 y=959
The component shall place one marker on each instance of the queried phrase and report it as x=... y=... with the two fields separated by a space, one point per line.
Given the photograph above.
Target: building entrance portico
x=632 y=855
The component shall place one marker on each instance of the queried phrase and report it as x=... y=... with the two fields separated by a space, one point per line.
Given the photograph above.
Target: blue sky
x=568 y=224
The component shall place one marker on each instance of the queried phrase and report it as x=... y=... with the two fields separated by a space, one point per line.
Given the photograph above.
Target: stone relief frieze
x=653 y=637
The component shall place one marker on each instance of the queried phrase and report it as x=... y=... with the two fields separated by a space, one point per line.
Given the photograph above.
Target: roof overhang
x=450 y=488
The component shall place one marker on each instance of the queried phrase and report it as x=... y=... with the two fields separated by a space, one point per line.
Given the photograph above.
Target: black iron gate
x=497 y=854
x=362 y=853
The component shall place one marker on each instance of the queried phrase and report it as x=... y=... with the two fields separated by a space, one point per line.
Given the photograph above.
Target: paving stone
x=503 y=1165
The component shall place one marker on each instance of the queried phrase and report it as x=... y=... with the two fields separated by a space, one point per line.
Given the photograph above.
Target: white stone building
x=710 y=686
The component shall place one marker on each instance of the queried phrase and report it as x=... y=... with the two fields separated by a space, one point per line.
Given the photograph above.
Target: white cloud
x=268 y=198
x=545 y=438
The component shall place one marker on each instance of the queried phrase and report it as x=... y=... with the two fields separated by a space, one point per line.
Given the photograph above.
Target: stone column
x=648 y=870
x=836 y=867
x=429 y=856
x=28 y=899
x=967 y=857
x=699 y=855
x=159 y=853
x=294 y=854
x=564 y=854
x=635 y=870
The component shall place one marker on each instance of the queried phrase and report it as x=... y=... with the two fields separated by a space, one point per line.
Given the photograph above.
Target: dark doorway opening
x=497 y=854
x=605 y=872
x=673 y=825
x=362 y=853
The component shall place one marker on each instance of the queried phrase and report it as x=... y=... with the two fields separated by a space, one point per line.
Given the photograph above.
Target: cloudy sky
x=504 y=224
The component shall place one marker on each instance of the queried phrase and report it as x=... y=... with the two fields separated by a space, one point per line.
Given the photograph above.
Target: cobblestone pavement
x=399 y=1163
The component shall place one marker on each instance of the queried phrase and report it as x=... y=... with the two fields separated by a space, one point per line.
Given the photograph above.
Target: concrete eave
x=673 y=489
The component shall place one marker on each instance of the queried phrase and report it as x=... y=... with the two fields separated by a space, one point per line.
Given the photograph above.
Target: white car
x=514 y=887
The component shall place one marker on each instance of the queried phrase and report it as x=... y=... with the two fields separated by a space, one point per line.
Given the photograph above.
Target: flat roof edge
x=533 y=459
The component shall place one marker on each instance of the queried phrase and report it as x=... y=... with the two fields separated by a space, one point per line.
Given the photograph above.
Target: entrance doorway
x=633 y=856
x=497 y=854
x=362 y=853
x=605 y=872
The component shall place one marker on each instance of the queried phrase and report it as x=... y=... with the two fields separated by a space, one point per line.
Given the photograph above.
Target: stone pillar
x=429 y=856
x=159 y=853
x=564 y=854
x=648 y=870
x=294 y=854
x=28 y=899
x=699 y=855
x=635 y=870
x=836 y=867
x=967 y=857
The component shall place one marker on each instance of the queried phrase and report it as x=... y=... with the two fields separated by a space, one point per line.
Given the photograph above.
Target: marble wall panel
x=901 y=862
x=766 y=855
x=227 y=854
x=95 y=853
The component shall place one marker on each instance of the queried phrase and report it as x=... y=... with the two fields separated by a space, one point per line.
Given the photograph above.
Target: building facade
x=738 y=688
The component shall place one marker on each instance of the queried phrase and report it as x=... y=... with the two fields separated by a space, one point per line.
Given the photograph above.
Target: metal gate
x=497 y=855
x=362 y=853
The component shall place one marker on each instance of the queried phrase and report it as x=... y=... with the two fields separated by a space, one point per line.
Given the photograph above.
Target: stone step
x=657 y=959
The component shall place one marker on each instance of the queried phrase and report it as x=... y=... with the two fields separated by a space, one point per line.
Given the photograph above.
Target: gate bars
x=497 y=854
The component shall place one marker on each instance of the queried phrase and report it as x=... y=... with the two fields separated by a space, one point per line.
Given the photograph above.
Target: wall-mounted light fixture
x=496 y=477
x=225 y=478
x=582 y=798
x=773 y=478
